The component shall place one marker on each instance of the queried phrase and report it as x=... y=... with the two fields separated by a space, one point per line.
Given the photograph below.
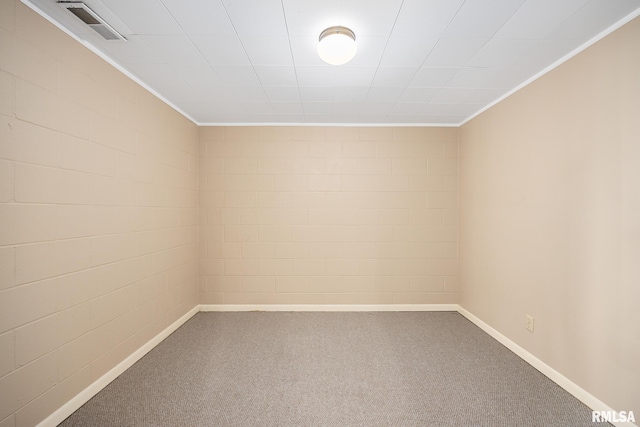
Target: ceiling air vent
x=89 y=17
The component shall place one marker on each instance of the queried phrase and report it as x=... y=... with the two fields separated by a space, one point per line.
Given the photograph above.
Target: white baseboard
x=585 y=397
x=83 y=397
x=329 y=307
x=575 y=390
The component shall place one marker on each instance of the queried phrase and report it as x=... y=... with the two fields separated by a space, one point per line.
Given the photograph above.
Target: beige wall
x=550 y=218
x=98 y=216
x=307 y=215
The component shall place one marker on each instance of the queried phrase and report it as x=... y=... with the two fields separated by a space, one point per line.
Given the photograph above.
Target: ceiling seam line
x=293 y=59
x=383 y=51
x=245 y=52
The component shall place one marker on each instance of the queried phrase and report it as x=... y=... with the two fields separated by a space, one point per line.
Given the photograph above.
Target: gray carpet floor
x=331 y=369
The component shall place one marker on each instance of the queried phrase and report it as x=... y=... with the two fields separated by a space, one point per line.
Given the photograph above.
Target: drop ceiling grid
x=419 y=62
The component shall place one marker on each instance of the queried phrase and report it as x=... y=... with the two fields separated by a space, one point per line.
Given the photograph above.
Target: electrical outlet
x=530 y=323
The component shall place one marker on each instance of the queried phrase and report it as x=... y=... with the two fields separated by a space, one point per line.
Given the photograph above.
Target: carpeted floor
x=331 y=369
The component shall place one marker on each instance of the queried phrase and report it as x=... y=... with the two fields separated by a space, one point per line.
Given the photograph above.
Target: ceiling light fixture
x=337 y=45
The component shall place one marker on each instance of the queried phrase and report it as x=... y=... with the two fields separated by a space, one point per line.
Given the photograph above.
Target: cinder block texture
x=323 y=215
x=98 y=216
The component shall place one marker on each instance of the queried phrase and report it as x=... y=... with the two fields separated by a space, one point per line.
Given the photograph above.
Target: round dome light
x=337 y=45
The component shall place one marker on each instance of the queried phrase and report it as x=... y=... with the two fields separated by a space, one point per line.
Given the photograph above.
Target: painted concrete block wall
x=322 y=215
x=98 y=216
x=550 y=218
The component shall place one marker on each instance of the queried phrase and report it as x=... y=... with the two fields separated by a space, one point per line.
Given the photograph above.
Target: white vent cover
x=89 y=17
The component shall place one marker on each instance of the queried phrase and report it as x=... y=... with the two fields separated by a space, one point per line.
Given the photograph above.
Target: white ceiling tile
x=257 y=17
x=394 y=76
x=239 y=117
x=221 y=50
x=452 y=96
x=230 y=107
x=465 y=110
x=269 y=50
x=485 y=96
x=237 y=75
x=406 y=108
x=376 y=108
x=543 y=53
x=257 y=107
x=310 y=18
x=365 y=20
x=433 y=76
x=533 y=20
x=508 y=78
x=335 y=76
x=350 y=94
x=389 y=94
x=593 y=18
x=453 y=52
x=180 y=94
x=352 y=76
x=158 y=76
x=282 y=93
x=218 y=96
x=425 y=18
x=290 y=118
x=346 y=108
x=345 y=118
x=276 y=76
x=471 y=77
x=401 y=118
x=369 y=51
x=249 y=93
x=334 y=94
x=406 y=51
x=316 y=93
x=199 y=109
x=428 y=118
x=288 y=108
x=144 y=16
x=174 y=49
x=264 y=118
x=201 y=17
x=317 y=107
x=134 y=51
x=481 y=18
x=418 y=94
x=315 y=76
x=454 y=119
x=373 y=118
x=305 y=51
x=198 y=76
x=437 y=109
x=497 y=53
x=318 y=118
